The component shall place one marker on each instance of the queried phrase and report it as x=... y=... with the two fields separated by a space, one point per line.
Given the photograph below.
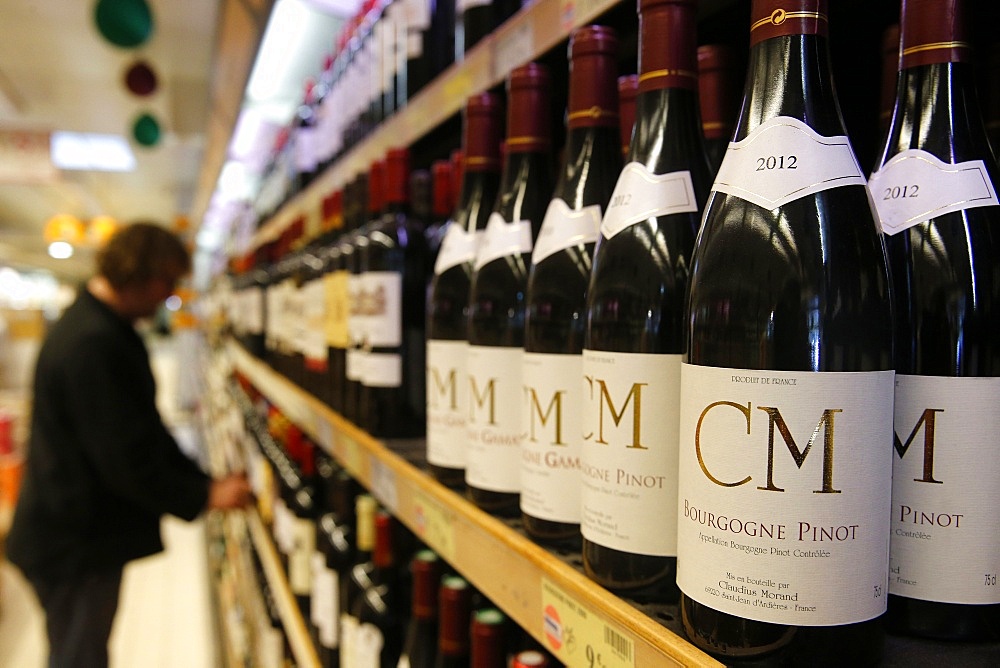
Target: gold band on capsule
x=936 y=46
x=594 y=112
x=779 y=16
x=656 y=74
x=518 y=141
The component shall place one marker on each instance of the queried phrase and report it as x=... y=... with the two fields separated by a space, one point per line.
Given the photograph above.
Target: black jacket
x=101 y=466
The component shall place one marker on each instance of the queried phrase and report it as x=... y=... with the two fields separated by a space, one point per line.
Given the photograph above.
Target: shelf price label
x=435 y=525
x=383 y=485
x=578 y=637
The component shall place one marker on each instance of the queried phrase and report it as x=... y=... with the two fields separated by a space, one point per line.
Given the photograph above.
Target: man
x=101 y=466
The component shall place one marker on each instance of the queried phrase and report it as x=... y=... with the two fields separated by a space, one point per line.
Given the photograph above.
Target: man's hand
x=233 y=491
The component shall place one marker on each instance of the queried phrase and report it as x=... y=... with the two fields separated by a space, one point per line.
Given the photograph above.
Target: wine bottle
x=442 y=204
x=473 y=21
x=634 y=334
x=489 y=639
x=358 y=578
x=448 y=299
x=935 y=190
x=315 y=353
x=420 y=643
x=393 y=274
x=304 y=136
x=557 y=291
x=335 y=293
x=496 y=296
x=628 y=88
x=454 y=617
x=719 y=98
x=783 y=522
x=378 y=640
x=890 y=75
x=430 y=39
x=357 y=322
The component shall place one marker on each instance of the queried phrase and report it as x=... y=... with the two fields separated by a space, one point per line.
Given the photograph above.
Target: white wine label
x=564 y=228
x=354 y=363
x=915 y=186
x=414 y=45
x=318 y=566
x=382 y=308
x=357 y=325
x=314 y=315
x=348 y=634
x=494 y=430
x=328 y=613
x=502 y=239
x=457 y=247
x=300 y=559
x=640 y=195
x=368 y=643
x=305 y=149
x=945 y=545
x=629 y=455
x=447 y=397
x=418 y=14
x=783 y=505
x=550 y=452
x=383 y=370
x=784 y=159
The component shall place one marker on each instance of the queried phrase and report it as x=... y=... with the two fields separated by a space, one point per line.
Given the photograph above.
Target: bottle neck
x=790 y=75
x=667 y=133
x=525 y=183
x=588 y=151
x=937 y=110
x=475 y=201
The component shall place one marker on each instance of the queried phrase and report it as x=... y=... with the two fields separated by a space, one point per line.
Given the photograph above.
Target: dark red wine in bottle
x=454 y=619
x=430 y=42
x=890 y=76
x=628 y=88
x=448 y=299
x=557 y=292
x=358 y=316
x=786 y=394
x=359 y=576
x=634 y=328
x=935 y=190
x=443 y=195
x=420 y=643
x=381 y=609
x=719 y=81
x=496 y=297
x=394 y=283
x=489 y=639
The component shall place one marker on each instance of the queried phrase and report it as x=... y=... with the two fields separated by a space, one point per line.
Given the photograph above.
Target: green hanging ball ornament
x=124 y=23
x=146 y=130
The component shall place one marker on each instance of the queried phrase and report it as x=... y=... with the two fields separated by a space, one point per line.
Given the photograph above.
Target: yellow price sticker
x=435 y=525
x=578 y=637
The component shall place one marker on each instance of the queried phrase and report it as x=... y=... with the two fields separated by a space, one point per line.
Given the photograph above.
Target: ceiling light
x=60 y=250
x=286 y=29
x=78 y=150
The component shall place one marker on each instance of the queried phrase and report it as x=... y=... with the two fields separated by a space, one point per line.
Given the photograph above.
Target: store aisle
x=165 y=617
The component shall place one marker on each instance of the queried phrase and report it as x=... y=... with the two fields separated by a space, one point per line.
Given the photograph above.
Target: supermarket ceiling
x=63 y=69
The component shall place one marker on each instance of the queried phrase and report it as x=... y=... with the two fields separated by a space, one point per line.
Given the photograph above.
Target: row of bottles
x=370 y=593
x=384 y=55
x=685 y=345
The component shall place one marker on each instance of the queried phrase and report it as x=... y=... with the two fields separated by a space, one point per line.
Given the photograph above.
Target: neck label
x=457 y=247
x=915 y=186
x=564 y=228
x=640 y=195
x=784 y=159
x=502 y=239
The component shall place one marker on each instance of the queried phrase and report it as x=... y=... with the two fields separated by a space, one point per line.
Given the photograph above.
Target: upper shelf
x=571 y=616
x=531 y=32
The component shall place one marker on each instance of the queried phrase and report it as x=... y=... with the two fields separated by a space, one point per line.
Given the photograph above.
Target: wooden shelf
x=556 y=603
x=291 y=617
